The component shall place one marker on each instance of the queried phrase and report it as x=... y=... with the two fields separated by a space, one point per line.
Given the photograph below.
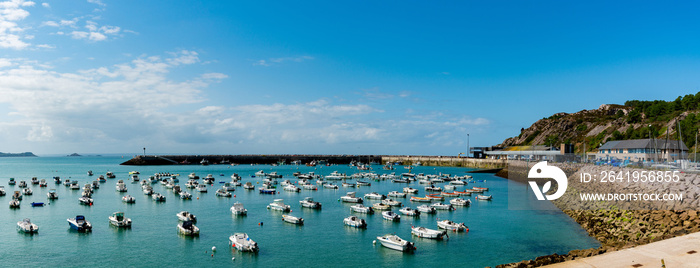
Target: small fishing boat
x=242 y=242
x=95 y=185
x=191 y=184
x=222 y=193
x=89 y=173
x=309 y=186
x=409 y=211
x=229 y=187
x=426 y=209
x=441 y=206
x=66 y=182
x=34 y=180
x=238 y=209
x=135 y=178
x=483 y=197
x=147 y=190
x=17 y=195
x=450 y=225
x=347 y=184
x=22 y=184
x=121 y=187
x=26 y=226
x=461 y=202
x=410 y=190
x=291 y=188
x=463 y=193
x=374 y=195
x=278 y=204
x=27 y=191
x=128 y=199
x=193 y=176
x=158 y=197
x=37 y=204
x=202 y=188
x=293 y=220
x=43 y=183
x=400 y=180
x=186 y=216
x=14 y=203
x=2 y=191
x=359 y=208
x=267 y=191
x=480 y=188
x=355 y=222
x=117 y=219
x=85 y=201
x=52 y=194
x=391 y=202
x=12 y=181
x=391 y=216
x=363 y=183
x=248 y=186
x=420 y=199
x=446 y=194
x=350 y=198
x=428 y=233
x=435 y=197
x=187 y=228
x=433 y=189
x=458 y=182
x=80 y=224
x=309 y=202
x=185 y=195
x=395 y=242
x=110 y=175
x=396 y=194
x=57 y=180
x=330 y=186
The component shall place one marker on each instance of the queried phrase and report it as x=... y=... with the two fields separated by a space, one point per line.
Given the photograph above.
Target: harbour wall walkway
x=451 y=161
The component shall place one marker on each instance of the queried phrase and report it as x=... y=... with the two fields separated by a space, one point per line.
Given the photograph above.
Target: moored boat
x=238 y=209
x=441 y=206
x=293 y=220
x=374 y=195
x=85 y=201
x=186 y=216
x=395 y=242
x=396 y=194
x=351 y=198
x=450 y=225
x=433 y=189
x=12 y=181
x=359 y=208
x=158 y=197
x=428 y=233
x=80 y=224
x=309 y=202
x=121 y=187
x=248 y=186
x=128 y=199
x=483 y=197
x=461 y=202
x=278 y=204
x=185 y=195
x=27 y=191
x=409 y=211
x=355 y=222
x=291 y=188
x=330 y=186
x=117 y=219
x=410 y=190
x=202 y=188
x=426 y=209
x=420 y=199
x=14 y=203
x=187 y=228
x=52 y=194
x=241 y=242
x=391 y=202
x=26 y=226
x=391 y=216
x=223 y=193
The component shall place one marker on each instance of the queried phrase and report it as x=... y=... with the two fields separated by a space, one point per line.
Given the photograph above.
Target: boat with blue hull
x=80 y=224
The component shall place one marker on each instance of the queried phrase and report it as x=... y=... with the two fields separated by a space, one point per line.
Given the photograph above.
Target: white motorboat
x=110 y=175
x=17 y=195
x=85 y=200
x=461 y=202
x=223 y=193
x=450 y=225
x=374 y=195
x=148 y=190
x=121 y=187
x=291 y=188
x=410 y=190
x=248 y=186
x=228 y=187
x=193 y=176
x=409 y=211
x=12 y=181
x=191 y=184
x=330 y=186
x=242 y=242
x=238 y=209
x=185 y=195
x=355 y=222
x=128 y=199
x=309 y=186
x=359 y=208
x=187 y=228
x=87 y=193
x=135 y=178
x=286 y=182
x=458 y=182
x=449 y=187
x=158 y=197
x=43 y=183
x=433 y=189
x=186 y=216
x=395 y=242
x=380 y=206
x=66 y=182
x=391 y=216
x=27 y=191
x=260 y=173
x=202 y=188
x=209 y=179
x=52 y=194
x=442 y=206
x=14 y=203
x=117 y=219
x=89 y=173
x=391 y=202
x=292 y=219
x=347 y=184
x=428 y=233
x=80 y=224
x=35 y=180
x=350 y=198
x=278 y=204
x=426 y=209
x=22 y=184
x=396 y=194
x=26 y=226
x=309 y=202
x=483 y=197
x=95 y=185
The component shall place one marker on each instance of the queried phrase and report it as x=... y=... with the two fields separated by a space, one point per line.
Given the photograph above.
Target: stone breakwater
x=619 y=225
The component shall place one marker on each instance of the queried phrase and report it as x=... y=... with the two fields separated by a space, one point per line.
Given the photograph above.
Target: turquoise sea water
x=497 y=235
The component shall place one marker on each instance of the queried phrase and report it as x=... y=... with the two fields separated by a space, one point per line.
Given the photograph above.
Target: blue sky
x=356 y=77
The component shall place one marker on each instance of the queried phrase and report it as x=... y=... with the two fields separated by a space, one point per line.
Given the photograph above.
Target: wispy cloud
x=10 y=31
x=274 y=61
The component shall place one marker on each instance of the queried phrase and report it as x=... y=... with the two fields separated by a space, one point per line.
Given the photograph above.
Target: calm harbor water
x=497 y=235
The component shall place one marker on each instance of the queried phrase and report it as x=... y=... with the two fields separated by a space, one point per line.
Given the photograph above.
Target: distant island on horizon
x=25 y=154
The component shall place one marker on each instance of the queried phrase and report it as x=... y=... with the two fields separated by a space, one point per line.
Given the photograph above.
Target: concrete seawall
x=449 y=161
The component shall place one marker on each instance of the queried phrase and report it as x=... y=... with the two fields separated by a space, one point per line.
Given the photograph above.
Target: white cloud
x=95 y=36
x=97 y=2
x=50 y=23
x=46 y=5
x=79 y=34
x=10 y=13
x=46 y=46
